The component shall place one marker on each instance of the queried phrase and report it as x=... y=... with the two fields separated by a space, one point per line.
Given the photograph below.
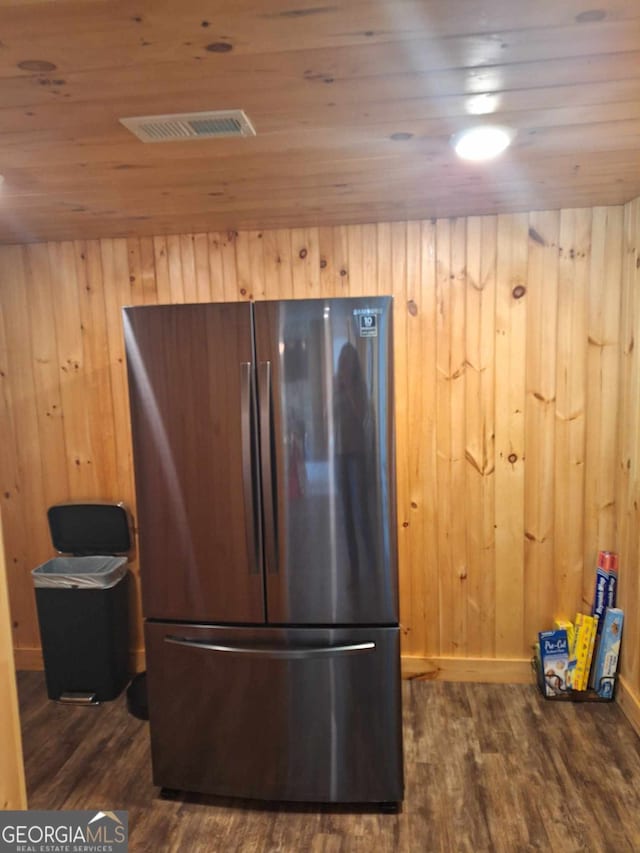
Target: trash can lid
x=90 y=528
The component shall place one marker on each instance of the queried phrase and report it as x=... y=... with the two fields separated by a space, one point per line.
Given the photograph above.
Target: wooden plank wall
x=628 y=468
x=13 y=794
x=507 y=368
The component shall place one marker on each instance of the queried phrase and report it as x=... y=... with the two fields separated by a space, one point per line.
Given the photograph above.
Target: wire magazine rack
x=570 y=695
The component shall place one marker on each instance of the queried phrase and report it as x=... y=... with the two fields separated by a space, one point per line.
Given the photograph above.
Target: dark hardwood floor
x=488 y=768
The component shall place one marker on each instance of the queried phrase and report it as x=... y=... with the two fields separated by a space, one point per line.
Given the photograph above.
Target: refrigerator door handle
x=275 y=652
x=266 y=463
x=247 y=420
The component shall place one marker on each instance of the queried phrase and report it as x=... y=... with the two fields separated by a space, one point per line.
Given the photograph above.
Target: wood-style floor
x=488 y=768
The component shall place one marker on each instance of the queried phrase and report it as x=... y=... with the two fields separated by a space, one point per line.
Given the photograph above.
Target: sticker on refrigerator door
x=368 y=325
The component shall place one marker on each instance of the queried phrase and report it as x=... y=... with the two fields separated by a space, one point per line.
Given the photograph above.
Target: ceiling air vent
x=180 y=127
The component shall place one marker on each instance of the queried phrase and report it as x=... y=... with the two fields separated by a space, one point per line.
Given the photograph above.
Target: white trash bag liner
x=80 y=572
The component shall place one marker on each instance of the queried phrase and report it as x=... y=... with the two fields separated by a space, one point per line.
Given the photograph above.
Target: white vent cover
x=181 y=127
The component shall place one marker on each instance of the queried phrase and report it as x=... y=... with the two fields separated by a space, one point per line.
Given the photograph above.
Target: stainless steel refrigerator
x=264 y=464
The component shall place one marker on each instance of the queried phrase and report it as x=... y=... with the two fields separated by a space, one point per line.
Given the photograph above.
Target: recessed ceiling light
x=483 y=142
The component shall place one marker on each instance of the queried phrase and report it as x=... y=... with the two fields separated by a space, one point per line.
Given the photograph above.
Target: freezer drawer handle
x=283 y=654
x=249 y=453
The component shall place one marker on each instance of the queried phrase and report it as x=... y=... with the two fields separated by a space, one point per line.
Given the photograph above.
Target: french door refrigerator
x=264 y=465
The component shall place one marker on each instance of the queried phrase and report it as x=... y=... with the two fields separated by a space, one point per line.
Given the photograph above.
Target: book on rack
x=571 y=674
x=566 y=625
x=608 y=654
x=612 y=581
x=584 y=630
x=604 y=596
x=590 y=653
x=554 y=660
x=605 y=592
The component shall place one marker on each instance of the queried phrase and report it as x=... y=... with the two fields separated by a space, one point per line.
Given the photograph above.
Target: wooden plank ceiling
x=354 y=103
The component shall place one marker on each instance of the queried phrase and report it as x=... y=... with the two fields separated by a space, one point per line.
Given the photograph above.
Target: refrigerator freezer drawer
x=303 y=714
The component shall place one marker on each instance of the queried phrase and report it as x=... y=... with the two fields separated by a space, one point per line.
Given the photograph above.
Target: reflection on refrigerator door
x=331 y=452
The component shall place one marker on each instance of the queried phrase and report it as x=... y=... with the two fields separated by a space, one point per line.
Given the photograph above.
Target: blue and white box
x=606 y=665
x=600 y=596
x=612 y=587
x=554 y=660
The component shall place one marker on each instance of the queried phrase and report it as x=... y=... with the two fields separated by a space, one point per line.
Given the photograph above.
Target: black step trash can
x=83 y=603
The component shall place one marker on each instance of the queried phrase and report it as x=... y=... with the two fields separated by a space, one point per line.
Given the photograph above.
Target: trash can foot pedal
x=78 y=699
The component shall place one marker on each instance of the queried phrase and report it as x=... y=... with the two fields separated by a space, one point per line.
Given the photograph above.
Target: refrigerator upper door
x=325 y=388
x=193 y=415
